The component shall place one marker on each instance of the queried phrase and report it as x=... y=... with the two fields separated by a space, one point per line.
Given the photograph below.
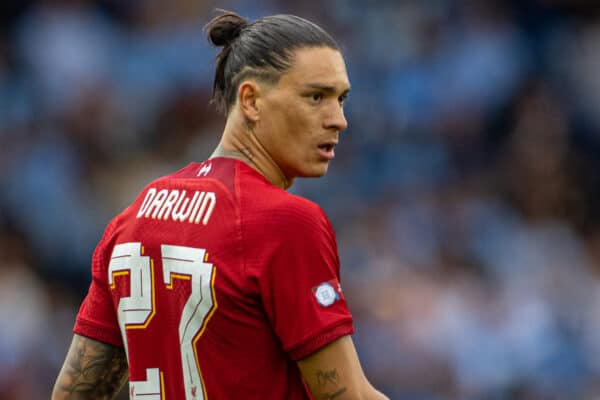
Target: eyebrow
x=325 y=88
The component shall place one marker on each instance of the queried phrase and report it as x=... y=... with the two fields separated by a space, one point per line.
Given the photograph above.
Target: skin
x=277 y=129
x=334 y=372
x=92 y=370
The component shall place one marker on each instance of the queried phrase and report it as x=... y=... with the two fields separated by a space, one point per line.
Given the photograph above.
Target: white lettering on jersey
x=157 y=203
x=204 y=170
x=146 y=203
x=178 y=206
x=182 y=211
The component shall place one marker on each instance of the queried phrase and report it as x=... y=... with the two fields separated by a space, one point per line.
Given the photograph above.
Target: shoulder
x=280 y=212
x=103 y=248
x=299 y=211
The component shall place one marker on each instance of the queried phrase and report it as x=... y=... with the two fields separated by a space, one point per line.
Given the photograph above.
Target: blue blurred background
x=464 y=193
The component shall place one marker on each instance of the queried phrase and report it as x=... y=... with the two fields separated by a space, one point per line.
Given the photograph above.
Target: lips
x=326 y=150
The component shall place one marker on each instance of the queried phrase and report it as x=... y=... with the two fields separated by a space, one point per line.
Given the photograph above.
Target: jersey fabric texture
x=216 y=282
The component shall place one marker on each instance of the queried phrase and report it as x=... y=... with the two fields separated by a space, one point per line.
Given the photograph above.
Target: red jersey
x=216 y=282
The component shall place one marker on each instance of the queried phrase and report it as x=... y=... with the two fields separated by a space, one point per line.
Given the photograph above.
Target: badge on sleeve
x=327 y=293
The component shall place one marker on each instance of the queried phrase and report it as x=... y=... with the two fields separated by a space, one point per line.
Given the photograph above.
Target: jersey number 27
x=137 y=310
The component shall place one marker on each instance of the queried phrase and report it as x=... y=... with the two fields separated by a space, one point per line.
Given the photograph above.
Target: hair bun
x=225 y=28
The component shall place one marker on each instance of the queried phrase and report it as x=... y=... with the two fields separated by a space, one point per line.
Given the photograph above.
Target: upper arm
x=92 y=370
x=293 y=260
x=334 y=372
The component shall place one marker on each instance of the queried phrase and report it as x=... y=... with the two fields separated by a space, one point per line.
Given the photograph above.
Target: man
x=216 y=283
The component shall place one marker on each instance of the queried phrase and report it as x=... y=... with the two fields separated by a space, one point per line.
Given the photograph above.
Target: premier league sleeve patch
x=327 y=293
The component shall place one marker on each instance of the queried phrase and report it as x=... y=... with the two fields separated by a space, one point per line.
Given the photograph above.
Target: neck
x=242 y=144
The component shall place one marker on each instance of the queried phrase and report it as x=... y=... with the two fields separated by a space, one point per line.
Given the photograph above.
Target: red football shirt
x=215 y=282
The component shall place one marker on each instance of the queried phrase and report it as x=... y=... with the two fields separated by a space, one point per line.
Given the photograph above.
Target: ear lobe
x=248 y=94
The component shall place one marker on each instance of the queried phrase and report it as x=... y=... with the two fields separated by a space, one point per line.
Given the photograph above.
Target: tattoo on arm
x=328 y=377
x=330 y=380
x=92 y=370
x=334 y=395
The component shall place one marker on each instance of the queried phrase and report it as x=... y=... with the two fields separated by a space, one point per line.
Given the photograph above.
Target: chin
x=314 y=169
x=312 y=174
x=317 y=171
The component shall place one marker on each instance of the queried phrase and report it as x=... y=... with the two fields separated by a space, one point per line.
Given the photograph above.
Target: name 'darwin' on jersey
x=176 y=205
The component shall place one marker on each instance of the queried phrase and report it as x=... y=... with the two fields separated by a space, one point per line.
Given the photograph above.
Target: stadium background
x=464 y=193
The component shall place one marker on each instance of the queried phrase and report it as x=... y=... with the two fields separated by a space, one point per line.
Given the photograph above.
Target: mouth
x=326 y=150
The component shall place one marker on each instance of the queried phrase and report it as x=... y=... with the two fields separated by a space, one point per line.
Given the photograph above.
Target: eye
x=342 y=98
x=316 y=97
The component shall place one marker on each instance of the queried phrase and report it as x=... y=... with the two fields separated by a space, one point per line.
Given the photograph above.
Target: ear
x=248 y=94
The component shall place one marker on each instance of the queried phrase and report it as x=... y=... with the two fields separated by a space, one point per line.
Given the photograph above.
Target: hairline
x=268 y=74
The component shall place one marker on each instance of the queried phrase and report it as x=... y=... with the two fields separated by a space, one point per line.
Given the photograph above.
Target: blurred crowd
x=464 y=193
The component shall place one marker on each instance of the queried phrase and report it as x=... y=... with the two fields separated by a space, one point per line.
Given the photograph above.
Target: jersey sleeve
x=97 y=318
x=300 y=286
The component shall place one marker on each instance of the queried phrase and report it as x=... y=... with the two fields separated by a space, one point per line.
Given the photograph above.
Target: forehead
x=317 y=65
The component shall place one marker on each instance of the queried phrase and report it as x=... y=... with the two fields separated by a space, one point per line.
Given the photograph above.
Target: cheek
x=280 y=134
x=289 y=125
x=303 y=121
x=292 y=123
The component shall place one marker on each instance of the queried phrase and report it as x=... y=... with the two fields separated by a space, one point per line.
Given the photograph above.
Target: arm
x=334 y=372
x=92 y=370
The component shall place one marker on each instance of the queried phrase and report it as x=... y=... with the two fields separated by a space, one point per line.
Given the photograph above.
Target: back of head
x=260 y=49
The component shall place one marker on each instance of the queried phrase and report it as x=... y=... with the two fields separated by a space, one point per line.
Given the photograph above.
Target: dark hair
x=261 y=49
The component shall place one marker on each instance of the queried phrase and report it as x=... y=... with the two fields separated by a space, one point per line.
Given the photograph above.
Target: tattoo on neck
x=249 y=125
x=247 y=152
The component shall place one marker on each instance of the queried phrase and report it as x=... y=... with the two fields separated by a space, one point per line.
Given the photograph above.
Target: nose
x=336 y=119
